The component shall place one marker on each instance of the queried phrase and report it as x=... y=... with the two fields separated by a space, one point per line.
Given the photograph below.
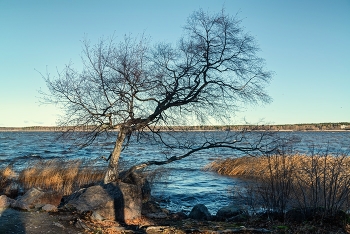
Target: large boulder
x=231 y=212
x=114 y=201
x=35 y=198
x=200 y=212
x=141 y=181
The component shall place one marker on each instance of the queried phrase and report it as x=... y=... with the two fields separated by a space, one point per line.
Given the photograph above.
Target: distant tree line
x=282 y=127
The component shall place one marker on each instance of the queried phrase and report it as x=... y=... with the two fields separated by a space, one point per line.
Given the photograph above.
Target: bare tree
x=131 y=86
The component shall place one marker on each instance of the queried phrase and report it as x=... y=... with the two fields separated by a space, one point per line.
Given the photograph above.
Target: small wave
x=29 y=156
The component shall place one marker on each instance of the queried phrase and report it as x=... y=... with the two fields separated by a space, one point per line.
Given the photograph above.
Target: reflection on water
x=185 y=184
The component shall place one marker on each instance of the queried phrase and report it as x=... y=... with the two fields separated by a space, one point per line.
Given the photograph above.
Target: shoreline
x=301 y=127
x=202 y=130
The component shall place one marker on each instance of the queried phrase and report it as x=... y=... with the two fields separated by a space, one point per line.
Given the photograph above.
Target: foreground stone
x=5 y=202
x=231 y=213
x=114 y=201
x=49 y=208
x=200 y=212
x=163 y=229
x=36 y=198
x=153 y=210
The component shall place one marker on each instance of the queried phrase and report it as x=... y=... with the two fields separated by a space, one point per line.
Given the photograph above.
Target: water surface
x=184 y=183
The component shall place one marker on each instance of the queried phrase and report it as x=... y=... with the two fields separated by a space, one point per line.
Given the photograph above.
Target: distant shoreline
x=316 y=127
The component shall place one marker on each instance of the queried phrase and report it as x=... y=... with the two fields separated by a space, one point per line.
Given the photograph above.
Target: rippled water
x=184 y=184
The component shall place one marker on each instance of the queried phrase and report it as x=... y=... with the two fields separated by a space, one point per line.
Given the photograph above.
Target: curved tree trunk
x=112 y=170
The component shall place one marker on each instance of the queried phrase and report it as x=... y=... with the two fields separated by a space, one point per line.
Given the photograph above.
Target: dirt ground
x=16 y=222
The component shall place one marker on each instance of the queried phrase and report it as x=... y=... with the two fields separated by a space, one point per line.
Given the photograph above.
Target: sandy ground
x=16 y=222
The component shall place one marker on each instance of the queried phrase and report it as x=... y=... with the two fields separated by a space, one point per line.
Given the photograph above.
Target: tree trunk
x=112 y=170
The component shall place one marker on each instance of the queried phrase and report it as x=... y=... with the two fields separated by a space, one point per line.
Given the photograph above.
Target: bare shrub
x=283 y=181
x=323 y=181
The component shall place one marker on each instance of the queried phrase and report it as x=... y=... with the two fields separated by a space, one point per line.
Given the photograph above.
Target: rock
x=5 y=202
x=80 y=224
x=37 y=198
x=178 y=216
x=10 y=189
x=150 y=207
x=239 y=218
x=159 y=215
x=200 y=212
x=18 y=204
x=114 y=201
x=228 y=212
x=49 y=208
x=115 y=229
x=142 y=182
x=96 y=216
x=152 y=210
x=305 y=214
x=130 y=207
x=161 y=229
x=58 y=225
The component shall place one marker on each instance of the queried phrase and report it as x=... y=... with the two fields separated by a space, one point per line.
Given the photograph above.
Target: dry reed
x=59 y=175
x=7 y=182
x=258 y=167
x=6 y=175
x=301 y=181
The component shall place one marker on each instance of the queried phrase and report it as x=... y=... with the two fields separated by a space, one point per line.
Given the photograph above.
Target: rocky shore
x=97 y=210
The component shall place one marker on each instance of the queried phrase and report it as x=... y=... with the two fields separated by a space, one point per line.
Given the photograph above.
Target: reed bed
x=259 y=167
x=63 y=176
x=7 y=174
x=285 y=181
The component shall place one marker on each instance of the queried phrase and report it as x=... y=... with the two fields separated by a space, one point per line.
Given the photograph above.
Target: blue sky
x=306 y=44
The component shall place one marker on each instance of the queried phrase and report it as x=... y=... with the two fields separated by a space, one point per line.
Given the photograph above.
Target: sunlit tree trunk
x=112 y=170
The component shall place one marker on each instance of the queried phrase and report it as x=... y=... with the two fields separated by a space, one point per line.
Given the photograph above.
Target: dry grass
x=258 y=167
x=58 y=175
x=301 y=181
x=6 y=177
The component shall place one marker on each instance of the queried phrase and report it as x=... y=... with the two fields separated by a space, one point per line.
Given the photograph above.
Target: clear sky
x=306 y=44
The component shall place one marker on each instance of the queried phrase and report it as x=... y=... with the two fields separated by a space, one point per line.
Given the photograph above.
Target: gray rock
x=228 y=212
x=139 y=180
x=58 y=225
x=49 y=208
x=152 y=210
x=160 y=229
x=151 y=207
x=159 y=215
x=96 y=216
x=239 y=218
x=114 y=201
x=5 y=202
x=18 y=204
x=178 y=216
x=200 y=212
x=36 y=198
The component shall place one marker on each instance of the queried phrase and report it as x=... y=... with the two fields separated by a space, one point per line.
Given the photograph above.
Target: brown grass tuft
x=7 y=182
x=61 y=176
x=258 y=167
x=302 y=181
